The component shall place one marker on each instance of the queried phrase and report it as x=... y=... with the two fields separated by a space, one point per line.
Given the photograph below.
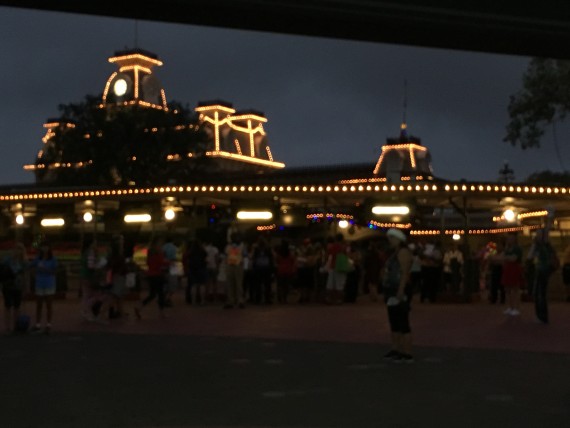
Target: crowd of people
x=510 y=273
x=329 y=271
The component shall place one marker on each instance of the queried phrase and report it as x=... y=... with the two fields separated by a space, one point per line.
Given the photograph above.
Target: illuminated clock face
x=120 y=87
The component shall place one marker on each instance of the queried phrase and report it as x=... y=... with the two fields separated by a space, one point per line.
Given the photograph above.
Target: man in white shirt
x=452 y=268
x=212 y=264
x=170 y=251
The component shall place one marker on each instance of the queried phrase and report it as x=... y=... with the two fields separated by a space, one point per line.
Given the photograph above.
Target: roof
x=529 y=29
x=216 y=102
x=135 y=57
x=249 y=112
x=139 y=51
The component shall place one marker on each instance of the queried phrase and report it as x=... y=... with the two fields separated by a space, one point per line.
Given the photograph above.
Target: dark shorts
x=12 y=298
x=399 y=317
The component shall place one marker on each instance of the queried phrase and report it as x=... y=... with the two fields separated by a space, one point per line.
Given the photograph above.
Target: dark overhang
x=528 y=28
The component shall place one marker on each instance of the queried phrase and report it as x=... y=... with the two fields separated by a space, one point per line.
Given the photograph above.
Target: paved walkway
x=475 y=325
x=293 y=366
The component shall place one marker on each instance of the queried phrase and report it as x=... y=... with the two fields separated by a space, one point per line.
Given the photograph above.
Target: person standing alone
x=398 y=294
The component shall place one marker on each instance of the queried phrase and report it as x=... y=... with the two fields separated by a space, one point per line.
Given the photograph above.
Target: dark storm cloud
x=328 y=101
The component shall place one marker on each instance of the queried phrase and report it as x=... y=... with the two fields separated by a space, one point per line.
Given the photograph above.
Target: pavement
x=290 y=366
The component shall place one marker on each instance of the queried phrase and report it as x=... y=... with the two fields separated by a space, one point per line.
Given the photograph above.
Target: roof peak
x=134 y=51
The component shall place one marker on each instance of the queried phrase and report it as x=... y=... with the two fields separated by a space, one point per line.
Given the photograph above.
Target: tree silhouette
x=543 y=100
x=549 y=178
x=122 y=145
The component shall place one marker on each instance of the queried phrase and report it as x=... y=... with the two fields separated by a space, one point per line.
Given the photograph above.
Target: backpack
x=235 y=255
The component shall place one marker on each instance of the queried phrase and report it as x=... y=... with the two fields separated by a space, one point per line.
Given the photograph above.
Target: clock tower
x=134 y=82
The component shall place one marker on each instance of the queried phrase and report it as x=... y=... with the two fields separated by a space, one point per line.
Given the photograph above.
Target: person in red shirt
x=156 y=275
x=286 y=263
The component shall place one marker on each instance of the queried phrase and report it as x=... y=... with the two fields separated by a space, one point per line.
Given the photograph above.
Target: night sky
x=328 y=101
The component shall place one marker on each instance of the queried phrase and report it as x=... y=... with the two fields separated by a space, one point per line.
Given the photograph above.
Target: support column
x=470 y=267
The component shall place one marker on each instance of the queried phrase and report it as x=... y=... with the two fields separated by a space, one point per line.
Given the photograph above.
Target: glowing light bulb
x=120 y=87
x=390 y=210
x=509 y=215
x=254 y=215
x=169 y=214
x=137 y=218
x=52 y=222
x=20 y=219
x=87 y=217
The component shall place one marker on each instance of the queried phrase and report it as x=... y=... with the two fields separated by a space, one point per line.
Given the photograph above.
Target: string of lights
x=323 y=189
x=475 y=231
